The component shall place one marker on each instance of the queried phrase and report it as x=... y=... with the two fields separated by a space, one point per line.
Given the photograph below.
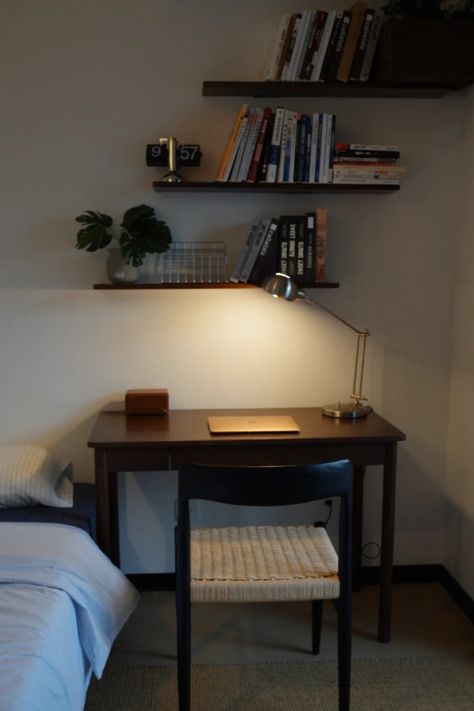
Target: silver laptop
x=249 y=424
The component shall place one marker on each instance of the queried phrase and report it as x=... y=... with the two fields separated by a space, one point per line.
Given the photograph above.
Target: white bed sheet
x=62 y=603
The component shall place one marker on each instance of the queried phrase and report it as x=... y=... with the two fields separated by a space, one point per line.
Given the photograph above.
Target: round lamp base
x=346 y=410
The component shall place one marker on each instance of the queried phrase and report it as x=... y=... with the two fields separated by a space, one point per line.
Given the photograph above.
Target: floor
x=426 y=622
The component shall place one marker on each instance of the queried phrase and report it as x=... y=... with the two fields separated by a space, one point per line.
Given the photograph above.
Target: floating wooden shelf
x=362 y=90
x=205 y=285
x=291 y=188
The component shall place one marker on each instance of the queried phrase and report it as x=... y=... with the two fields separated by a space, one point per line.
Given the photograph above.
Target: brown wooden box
x=147 y=402
x=414 y=50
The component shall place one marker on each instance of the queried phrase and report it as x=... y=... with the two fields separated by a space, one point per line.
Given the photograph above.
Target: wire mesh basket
x=188 y=263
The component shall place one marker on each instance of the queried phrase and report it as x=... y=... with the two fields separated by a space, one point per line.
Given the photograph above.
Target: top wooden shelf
x=362 y=90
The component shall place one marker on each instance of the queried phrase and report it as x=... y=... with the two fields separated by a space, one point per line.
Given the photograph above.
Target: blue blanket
x=62 y=603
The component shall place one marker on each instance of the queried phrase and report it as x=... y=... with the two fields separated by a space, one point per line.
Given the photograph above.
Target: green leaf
x=93 y=237
x=94 y=218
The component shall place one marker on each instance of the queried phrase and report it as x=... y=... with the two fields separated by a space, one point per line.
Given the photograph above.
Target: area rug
x=409 y=684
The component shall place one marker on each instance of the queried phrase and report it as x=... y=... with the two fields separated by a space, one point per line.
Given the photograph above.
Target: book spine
x=254 y=130
x=241 y=150
x=371 y=45
x=283 y=245
x=301 y=148
x=291 y=47
x=331 y=48
x=292 y=146
x=266 y=262
x=365 y=147
x=358 y=13
x=262 y=169
x=286 y=47
x=292 y=221
x=309 y=248
x=271 y=67
x=354 y=153
x=274 y=150
x=234 y=277
x=358 y=60
x=326 y=36
x=313 y=48
x=322 y=141
x=254 y=250
x=321 y=242
x=283 y=162
x=232 y=145
x=307 y=156
x=300 y=249
x=330 y=139
x=339 y=46
x=300 y=45
x=258 y=153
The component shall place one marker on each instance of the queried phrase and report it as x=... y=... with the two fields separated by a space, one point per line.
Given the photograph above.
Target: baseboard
x=435 y=573
x=153 y=581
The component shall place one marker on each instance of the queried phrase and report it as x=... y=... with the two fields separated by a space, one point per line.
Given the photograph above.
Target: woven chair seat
x=262 y=564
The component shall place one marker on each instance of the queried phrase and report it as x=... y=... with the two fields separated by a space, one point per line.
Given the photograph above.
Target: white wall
x=460 y=461
x=88 y=84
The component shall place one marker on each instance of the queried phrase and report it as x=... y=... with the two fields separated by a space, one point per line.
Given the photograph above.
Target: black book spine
x=339 y=46
x=300 y=245
x=283 y=232
x=267 y=260
x=262 y=170
x=331 y=46
x=358 y=60
x=309 y=247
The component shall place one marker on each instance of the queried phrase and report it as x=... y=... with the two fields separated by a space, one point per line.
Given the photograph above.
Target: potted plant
x=140 y=233
x=426 y=42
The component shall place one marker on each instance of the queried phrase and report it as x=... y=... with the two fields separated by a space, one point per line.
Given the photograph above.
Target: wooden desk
x=149 y=443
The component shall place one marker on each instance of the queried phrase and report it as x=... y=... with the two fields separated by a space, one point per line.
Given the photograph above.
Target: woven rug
x=410 y=684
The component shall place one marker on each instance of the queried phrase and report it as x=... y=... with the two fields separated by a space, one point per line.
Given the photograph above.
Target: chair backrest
x=266 y=486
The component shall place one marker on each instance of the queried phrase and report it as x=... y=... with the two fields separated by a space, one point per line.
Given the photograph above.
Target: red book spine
x=257 y=156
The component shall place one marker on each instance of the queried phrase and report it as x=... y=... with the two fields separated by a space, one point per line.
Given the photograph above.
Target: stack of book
x=366 y=164
x=290 y=244
x=279 y=146
x=320 y=45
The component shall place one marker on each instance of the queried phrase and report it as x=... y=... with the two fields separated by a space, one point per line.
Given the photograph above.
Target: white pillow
x=31 y=475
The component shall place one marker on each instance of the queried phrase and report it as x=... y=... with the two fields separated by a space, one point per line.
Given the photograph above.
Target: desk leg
x=388 y=527
x=106 y=507
x=357 y=520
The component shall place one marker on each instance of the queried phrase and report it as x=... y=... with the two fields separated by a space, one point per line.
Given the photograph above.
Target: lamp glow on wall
x=281 y=286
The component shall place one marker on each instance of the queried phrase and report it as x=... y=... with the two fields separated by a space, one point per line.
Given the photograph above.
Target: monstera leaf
x=96 y=232
x=142 y=234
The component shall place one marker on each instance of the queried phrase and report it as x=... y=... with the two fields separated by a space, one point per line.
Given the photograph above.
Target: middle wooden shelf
x=289 y=188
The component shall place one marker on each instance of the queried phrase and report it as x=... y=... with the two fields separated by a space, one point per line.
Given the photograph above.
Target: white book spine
x=234 y=277
x=328 y=148
x=299 y=44
x=273 y=59
x=325 y=37
x=254 y=249
x=292 y=136
x=273 y=162
x=371 y=147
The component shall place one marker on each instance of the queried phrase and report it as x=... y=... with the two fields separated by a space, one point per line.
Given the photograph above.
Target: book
x=366 y=153
x=232 y=145
x=307 y=157
x=339 y=46
x=262 y=168
x=313 y=46
x=300 y=250
x=356 y=67
x=321 y=165
x=242 y=143
x=354 y=180
x=286 y=47
x=254 y=249
x=371 y=45
x=283 y=163
x=270 y=71
x=282 y=262
x=309 y=248
x=291 y=146
x=300 y=44
x=301 y=147
x=331 y=45
x=234 y=277
x=323 y=45
x=358 y=14
x=254 y=130
x=259 y=147
x=288 y=231
x=291 y=46
x=274 y=148
x=321 y=243
x=315 y=153
x=266 y=262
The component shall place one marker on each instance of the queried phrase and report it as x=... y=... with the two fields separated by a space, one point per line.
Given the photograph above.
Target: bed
x=62 y=603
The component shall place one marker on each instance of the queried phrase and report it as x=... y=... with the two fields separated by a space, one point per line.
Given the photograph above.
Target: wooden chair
x=264 y=563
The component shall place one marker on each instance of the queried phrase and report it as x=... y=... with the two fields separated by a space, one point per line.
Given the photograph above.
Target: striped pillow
x=31 y=475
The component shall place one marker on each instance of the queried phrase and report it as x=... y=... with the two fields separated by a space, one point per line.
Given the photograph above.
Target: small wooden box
x=147 y=402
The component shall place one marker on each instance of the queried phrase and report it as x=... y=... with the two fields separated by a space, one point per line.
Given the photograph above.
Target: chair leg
x=316 y=622
x=184 y=652
x=344 y=642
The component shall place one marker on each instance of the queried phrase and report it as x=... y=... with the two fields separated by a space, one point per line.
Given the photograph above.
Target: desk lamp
x=281 y=286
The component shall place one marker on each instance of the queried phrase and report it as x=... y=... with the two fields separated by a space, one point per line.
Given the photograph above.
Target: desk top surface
x=113 y=428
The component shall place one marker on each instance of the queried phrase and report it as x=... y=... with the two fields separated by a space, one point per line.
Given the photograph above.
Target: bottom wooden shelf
x=204 y=285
